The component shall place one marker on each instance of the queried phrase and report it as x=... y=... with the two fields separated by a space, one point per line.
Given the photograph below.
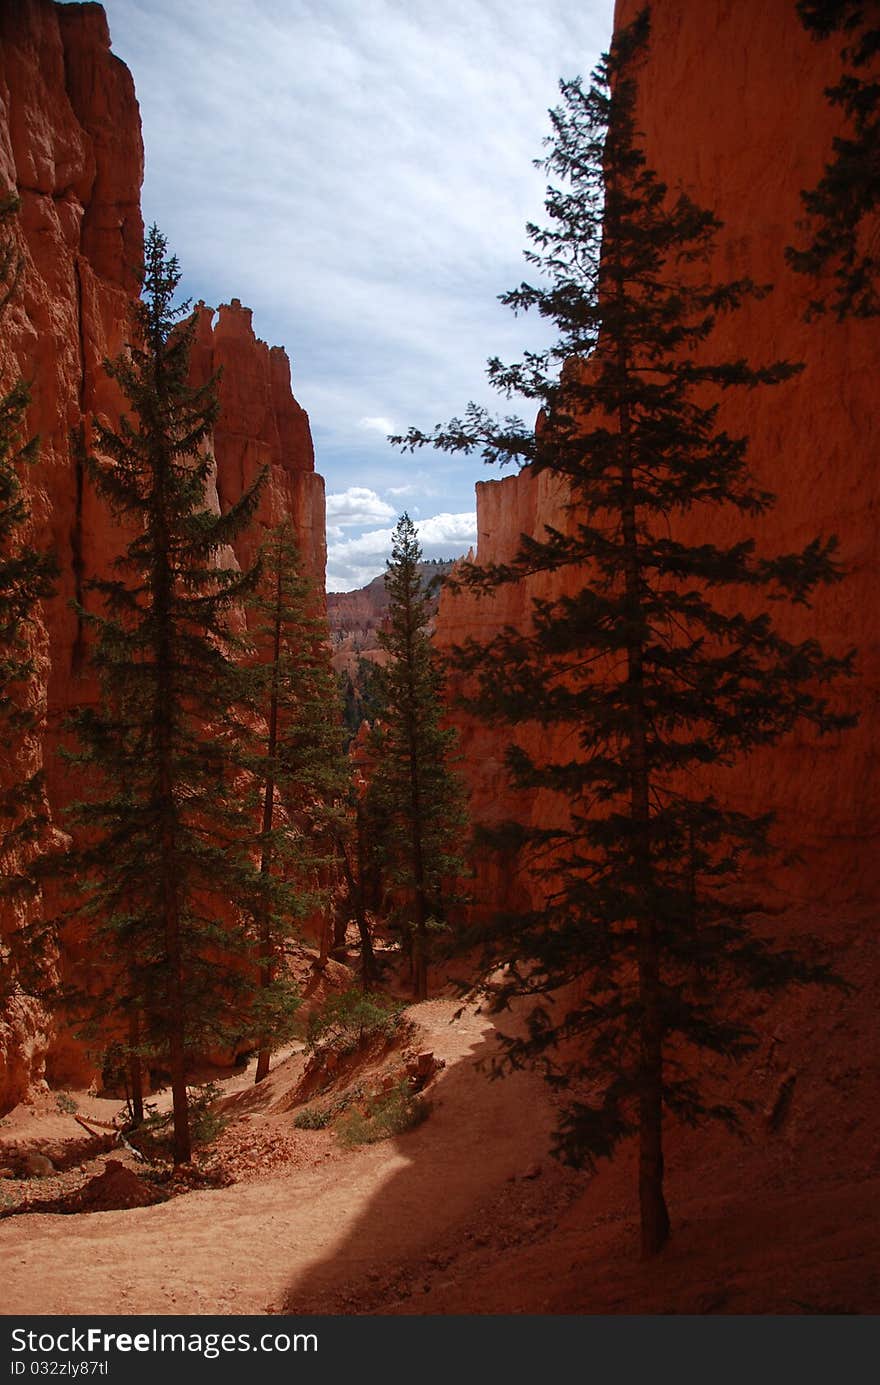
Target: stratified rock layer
x=70 y=145
x=732 y=107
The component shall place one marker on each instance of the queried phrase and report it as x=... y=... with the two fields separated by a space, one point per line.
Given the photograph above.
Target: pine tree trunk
x=135 y=1068
x=693 y=904
x=356 y=893
x=420 y=966
x=369 y=970
x=265 y=929
x=164 y=716
x=652 y=1204
x=420 y=936
x=340 y=931
x=176 y=1025
x=177 y=1049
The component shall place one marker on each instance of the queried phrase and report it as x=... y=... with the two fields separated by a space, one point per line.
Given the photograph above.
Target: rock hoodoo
x=261 y=425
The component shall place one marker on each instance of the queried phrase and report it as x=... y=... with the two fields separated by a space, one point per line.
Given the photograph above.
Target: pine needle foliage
x=26 y=578
x=356 y=837
x=298 y=770
x=842 y=253
x=164 y=860
x=658 y=670
x=416 y=797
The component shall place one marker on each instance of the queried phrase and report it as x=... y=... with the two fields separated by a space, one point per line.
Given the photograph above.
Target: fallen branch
x=102 y=1126
x=142 y=1158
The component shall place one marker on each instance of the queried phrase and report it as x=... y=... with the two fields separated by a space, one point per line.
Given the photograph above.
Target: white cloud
x=377 y=425
x=379 y=200
x=459 y=531
x=352 y=563
x=356 y=506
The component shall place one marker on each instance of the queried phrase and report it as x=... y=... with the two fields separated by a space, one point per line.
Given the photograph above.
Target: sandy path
x=251 y=1247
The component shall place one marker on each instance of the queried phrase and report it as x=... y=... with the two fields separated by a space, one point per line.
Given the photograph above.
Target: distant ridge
x=356 y=617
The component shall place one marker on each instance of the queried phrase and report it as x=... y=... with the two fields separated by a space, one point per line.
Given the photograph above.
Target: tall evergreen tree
x=26 y=578
x=357 y=838
x=162 y=821
x=416 y=798
x=656 y=669
x=298 y=768
x=841 y=208
x=358 y=834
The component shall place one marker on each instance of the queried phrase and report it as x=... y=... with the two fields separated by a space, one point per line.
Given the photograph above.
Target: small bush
x=205 y=1124
x=390 y=1113
x=313 y=1118
x=65 y=1103
x=345 y=1022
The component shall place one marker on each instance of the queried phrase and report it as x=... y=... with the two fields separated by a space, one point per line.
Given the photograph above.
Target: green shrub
x=346 y=1021
x=390 y=1113
x=313 y=1118
x=204 y=1122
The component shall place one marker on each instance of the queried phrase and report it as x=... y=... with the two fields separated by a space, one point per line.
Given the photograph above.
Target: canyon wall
x=70 y=145
x=261 y=426
x=733 y=111
x=356 y=618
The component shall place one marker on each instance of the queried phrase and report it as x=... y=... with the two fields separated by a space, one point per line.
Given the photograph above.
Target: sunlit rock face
x=732 y=106
x=261 y=427
x=70 y=145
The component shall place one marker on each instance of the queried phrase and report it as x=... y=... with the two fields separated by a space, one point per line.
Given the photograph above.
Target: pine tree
x=298 y=770
x=657 y=671
x=356 y=843
x=163 y=824
x=26 y=578
x=358 y=835
x=841 y=206
x=416 y=798
x=357 y=690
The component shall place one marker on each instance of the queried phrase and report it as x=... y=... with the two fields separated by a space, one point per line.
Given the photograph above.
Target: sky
x=360 y=173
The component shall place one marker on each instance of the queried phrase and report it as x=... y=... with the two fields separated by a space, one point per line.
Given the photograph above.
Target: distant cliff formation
x=733 y=110
x=70 y=145
x=355 y=618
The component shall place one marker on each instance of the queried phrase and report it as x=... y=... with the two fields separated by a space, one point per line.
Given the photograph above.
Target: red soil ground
x=468 y=1213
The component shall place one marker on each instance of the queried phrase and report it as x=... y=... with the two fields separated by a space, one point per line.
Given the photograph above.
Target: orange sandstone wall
x=261 y=425
x=733 y=111
x=70 y=144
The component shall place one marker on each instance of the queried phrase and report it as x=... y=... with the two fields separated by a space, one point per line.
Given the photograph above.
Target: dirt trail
x=467 y=1213
x=247 y=1248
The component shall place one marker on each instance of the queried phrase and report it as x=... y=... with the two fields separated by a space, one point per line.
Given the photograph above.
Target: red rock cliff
x=70 y=144
x=261 y=426
x=733 y=111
